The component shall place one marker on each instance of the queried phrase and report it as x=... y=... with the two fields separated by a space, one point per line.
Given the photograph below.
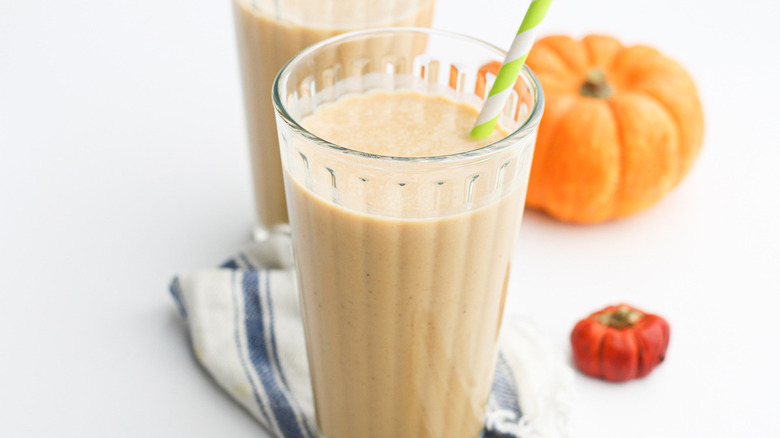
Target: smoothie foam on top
x=403 y=124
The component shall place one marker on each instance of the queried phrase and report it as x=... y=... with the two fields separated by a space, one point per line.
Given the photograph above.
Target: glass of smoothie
x=402 y=225
x=269 y=33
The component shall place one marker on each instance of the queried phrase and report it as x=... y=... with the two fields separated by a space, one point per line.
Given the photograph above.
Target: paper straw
x=510 y=70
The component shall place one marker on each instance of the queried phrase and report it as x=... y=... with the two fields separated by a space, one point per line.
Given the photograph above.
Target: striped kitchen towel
x=245 y=329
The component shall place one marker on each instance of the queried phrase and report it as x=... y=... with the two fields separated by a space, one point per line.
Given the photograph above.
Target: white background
x=123 y=161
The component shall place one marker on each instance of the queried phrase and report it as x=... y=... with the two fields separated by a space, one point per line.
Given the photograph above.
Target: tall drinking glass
x=269 y=33
x=402 y=262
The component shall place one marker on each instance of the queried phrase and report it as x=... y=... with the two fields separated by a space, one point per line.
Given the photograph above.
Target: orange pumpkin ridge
x=610 y=148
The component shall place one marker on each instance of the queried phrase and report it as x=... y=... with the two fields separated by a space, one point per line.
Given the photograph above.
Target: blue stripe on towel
x=504 y=391
x=175 y=289
x=236 y=324
x=275 y=355
x=230 y=264
x=504 y=395
x=246 y=262
x=499 y=434
x=258 y=354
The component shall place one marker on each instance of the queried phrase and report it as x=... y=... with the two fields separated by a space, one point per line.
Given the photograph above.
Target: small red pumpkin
x=619 y=343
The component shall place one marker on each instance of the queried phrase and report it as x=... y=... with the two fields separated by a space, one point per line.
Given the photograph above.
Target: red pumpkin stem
x=595 y=85
x=622 y=317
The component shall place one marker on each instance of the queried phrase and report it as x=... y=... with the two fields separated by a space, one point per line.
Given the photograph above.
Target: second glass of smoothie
x=269 y=33
x=402 y=225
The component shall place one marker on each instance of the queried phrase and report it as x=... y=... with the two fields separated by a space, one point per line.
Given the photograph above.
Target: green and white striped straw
x=510 y=70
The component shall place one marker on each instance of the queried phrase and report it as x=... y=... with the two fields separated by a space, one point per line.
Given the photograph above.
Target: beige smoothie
x=269 y=33
x=402 y=314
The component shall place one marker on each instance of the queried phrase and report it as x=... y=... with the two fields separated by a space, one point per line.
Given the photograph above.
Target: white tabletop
x=123 y=160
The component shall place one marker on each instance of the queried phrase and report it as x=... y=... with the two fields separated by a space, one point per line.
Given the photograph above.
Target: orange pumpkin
x=622 y=126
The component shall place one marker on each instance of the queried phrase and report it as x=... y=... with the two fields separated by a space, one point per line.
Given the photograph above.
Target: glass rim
x=512 y=139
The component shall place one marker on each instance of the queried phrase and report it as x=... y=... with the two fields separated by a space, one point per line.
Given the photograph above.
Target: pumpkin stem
x=595 y=85
x=622 y=317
